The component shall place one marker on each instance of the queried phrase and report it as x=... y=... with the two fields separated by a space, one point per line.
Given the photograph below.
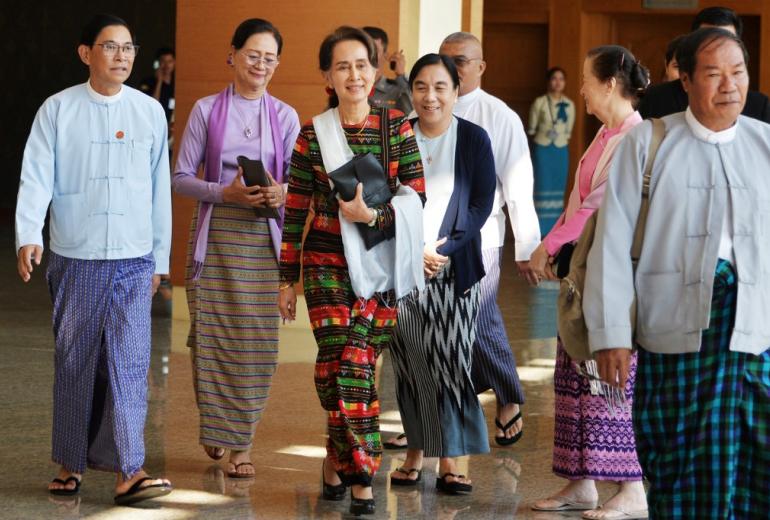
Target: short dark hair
x=164 y=51
x=376 y=33
x=687 y=52
x=553 y=70
x=673 y=45
x=96 y=24
x=435 y=59
x=614 y=61
x=252 y=26
x=342 y=34
x=719 y=17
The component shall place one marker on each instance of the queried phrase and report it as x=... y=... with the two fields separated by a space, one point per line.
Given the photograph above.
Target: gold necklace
x=363 y=125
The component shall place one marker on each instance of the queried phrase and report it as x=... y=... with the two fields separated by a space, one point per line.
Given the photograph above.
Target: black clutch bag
x=254 y=174
x=373 y=175
x=367 y=170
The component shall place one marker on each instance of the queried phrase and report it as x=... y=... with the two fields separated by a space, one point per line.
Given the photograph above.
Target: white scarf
x=392 y=264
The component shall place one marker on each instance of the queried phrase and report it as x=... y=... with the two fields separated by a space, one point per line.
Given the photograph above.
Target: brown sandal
x=211 y=451
x=235 y=474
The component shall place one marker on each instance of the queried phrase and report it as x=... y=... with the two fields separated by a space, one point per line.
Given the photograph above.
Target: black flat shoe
x=504 y=441
x=361 y=506
x=454 y=487
x=330 y=491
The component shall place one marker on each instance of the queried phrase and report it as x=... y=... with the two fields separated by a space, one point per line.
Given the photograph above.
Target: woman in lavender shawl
x=232 y=259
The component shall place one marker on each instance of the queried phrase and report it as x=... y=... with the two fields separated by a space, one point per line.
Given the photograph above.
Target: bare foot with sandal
x=509 y=424
x=240 y=465
x=66 y=483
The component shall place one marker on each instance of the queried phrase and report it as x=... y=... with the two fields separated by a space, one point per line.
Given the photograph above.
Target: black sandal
x=390 y=445
x=454 y=487
x=138 y=493
x=66 y=492
x=235 y=474
x=406 y=481
x=504 y=441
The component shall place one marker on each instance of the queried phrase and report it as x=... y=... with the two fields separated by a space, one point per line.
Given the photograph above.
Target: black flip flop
x=406 y=481
x=66 y=492
x=393 y=446
x=504 y=441
x=235 y=474
x=454 y=487
x=137 y=493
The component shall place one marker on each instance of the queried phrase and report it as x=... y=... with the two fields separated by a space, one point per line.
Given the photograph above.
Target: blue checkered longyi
x=702 y=421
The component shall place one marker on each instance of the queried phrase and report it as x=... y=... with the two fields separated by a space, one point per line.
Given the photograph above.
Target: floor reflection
x=288 y=445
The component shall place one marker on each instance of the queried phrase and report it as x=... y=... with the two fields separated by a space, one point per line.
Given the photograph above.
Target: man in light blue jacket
x=702 y=286
x=97 y=154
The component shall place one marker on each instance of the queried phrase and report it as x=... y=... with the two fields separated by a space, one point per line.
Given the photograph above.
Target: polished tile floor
x=288 y=446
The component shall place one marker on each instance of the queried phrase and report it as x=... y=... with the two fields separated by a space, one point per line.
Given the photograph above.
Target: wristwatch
x=375 y=216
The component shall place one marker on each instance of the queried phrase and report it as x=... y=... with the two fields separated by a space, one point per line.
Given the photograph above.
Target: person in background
x=550 y=125
x=671 y=71
x=593 y=441
x=433 y=347
x=161 y=85
x=493 y=363
x=232 y=257
x=670 y=98
x=97 y=155
x=350 y=327
x=702 y=400
x=389 y=93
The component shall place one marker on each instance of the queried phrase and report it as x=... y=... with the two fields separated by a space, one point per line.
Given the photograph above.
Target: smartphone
x=253 y=171
x=254 y=174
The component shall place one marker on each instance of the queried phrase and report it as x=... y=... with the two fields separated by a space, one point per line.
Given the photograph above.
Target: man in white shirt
x=493 y=362
x=97 y=154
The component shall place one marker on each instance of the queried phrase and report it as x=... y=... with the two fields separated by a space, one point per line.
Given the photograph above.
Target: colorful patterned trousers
x=702 y=422
x=101 y=324
x=350 y=334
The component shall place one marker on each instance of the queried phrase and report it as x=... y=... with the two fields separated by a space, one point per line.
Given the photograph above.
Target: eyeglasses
x=462 y=61
x=254 y=59
x=111 y=48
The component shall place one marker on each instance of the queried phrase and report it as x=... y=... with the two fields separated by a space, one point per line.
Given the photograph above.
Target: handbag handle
x=658 y=133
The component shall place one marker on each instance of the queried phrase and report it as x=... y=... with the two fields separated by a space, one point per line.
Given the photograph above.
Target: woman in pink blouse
x=591 y=442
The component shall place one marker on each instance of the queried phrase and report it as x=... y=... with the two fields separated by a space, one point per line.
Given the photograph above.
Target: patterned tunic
x=349 y=331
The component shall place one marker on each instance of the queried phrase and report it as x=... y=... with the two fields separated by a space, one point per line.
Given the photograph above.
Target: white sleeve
x=514 y=171
x=37 y=177
x=161 y=194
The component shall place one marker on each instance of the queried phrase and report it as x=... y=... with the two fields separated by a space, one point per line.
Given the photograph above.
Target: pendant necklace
x=247 y=131
x=427 y=142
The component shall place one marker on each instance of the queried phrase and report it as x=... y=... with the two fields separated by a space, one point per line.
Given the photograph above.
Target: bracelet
x=285 y=285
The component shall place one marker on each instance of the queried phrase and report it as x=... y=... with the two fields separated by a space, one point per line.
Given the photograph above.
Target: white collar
x=469 y=98
x=101 y=98
x=705 y=134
